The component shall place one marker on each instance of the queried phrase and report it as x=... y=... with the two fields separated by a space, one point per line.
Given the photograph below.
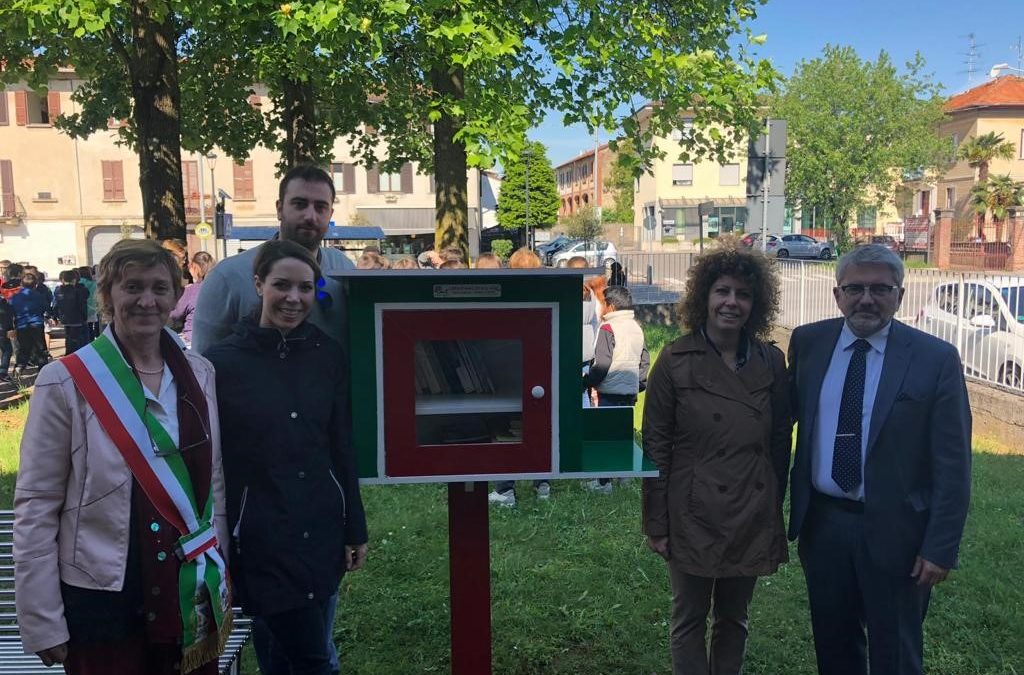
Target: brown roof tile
x=1007 y=90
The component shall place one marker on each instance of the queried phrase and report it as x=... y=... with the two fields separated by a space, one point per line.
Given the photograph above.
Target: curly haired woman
x=717 y=425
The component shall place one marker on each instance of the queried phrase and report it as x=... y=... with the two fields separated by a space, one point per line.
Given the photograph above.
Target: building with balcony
x=64 y=201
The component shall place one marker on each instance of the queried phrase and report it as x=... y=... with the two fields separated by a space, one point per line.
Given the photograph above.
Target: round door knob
x=538 y=391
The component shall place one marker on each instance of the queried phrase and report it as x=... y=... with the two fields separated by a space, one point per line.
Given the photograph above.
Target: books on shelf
x=451 y=367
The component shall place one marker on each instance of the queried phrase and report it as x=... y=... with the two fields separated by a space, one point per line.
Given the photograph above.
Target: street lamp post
x=1000 y=67
x=526 y=156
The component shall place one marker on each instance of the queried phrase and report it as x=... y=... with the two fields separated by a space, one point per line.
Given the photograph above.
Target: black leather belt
x=849 y=505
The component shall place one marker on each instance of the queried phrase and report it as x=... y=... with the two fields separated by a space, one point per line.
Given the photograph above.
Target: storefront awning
x=697 y=201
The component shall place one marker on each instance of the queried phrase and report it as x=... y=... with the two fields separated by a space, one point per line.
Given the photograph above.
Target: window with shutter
x=113 y=181
x=3 y=108
x=244 y=189
x=406 y=178
x=682 y=174
x=344 y=177
x=53 y=106
x=7 y=200
x=372 y=180
x=729 y=174
x=21 y=108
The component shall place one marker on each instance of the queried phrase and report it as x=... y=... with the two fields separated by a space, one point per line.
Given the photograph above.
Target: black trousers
x=31 y=346
x=299 y=634
x=860 y=613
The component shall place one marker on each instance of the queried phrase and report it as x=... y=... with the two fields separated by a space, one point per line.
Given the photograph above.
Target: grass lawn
x=575 y=590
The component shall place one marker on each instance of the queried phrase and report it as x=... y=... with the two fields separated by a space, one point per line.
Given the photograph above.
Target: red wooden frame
x=403 y=328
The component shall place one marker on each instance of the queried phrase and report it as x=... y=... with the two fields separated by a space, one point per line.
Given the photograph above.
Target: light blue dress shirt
x=828 y=408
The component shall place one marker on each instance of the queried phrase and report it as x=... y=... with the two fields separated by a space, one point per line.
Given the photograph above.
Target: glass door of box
x=467 y=391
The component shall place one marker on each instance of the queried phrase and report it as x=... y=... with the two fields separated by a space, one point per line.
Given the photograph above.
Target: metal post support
x=766 y=184
x=202 y=197
x=469 y=569
x=803 y=276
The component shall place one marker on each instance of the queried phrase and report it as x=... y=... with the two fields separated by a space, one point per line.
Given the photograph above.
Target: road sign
x=204 y=230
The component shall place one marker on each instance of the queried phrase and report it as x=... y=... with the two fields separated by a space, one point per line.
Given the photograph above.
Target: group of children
x=26 y=306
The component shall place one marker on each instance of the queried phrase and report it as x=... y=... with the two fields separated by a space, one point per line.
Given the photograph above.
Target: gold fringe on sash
x=210 y=647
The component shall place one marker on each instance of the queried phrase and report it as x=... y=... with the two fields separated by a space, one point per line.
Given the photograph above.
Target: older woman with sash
x=119 y=502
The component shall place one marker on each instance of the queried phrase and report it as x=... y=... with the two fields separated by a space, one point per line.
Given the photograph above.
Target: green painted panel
x=364 y=292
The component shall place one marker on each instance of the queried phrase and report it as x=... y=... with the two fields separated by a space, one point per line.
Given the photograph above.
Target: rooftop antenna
x=972 y=58
x=1018 y=49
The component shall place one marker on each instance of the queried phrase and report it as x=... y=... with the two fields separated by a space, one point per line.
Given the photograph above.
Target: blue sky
x=799 y=29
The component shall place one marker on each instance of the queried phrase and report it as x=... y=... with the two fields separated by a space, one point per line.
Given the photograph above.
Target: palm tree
x=997 y=194
x=978 y=151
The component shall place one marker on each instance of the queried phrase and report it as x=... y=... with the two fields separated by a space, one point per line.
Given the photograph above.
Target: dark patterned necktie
x=846 y=464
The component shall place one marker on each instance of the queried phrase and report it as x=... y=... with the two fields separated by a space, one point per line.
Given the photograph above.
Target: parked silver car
x=800 y=246
x=986 y=324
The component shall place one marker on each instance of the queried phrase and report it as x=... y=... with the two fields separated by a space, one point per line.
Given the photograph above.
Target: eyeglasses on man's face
x=876 y=290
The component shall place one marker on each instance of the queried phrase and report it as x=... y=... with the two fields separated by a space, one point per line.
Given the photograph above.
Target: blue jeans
x=271 y=656
x=75 y=337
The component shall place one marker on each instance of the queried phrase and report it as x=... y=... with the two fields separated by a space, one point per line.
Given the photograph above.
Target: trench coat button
x=305 y=535
x=155 y=526
x=161 y=556
x=294 y=415
x=717 y=417
x=309 y=596
x=302 y=474
x=151 y=616
x=722 y=488
x=155 y=590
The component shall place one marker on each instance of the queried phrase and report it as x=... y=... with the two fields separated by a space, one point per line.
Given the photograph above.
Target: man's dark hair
x=85 y=272
x=14 y=271
x=618 y=297
x=69 y=277
x=308 y=173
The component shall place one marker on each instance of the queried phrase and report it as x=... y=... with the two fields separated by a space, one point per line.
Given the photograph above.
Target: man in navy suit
x=881 y=478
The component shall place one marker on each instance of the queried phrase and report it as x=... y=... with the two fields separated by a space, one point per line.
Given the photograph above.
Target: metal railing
x=981 y=313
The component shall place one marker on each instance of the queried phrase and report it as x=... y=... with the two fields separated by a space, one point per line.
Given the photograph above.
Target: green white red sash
x=115 y=394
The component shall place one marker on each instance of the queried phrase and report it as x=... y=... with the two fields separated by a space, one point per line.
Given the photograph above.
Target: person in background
x=85 y=277
x=590 y=323
x=30 y=310
x=293 y=498
x=504 y=492
x=107 y=562
x=12 y=281
x=70 y=302
x=429 y=259
x=616 y=274
x=4 y=264
x=717 y=425
x=405 y=262
x=184 y=311
x=6 y=333
x=180 y=251
x=452 y=253
x=488 y=261
x=453 y=265
x=372 y=260
x=619 y=370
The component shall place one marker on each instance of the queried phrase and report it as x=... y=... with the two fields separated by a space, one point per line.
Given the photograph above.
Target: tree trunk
x=451 y=196
x=299 y=117
x=979 y=218
x=153 y=68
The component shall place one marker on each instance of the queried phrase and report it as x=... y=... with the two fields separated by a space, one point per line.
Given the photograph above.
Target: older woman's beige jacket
x=73 y=503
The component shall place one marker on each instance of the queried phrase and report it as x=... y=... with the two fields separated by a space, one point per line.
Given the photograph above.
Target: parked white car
x=597 y=253
x=986 y=324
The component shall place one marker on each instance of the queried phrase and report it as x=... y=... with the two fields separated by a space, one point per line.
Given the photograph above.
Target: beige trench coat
x=721 y=440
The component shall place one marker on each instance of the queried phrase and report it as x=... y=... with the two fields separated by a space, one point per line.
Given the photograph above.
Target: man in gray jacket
x=304 y=208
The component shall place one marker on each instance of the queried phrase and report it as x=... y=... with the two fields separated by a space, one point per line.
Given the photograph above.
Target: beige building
x=668 y=197
x=995 y=106
x=65 y=202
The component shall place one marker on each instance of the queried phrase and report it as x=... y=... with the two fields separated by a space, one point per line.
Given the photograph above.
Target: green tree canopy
x=854 y=127
x=533 y=204
x=468 y=80
x=585 y=224
x=621 y=181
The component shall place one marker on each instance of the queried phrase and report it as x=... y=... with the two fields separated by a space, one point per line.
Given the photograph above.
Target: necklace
x=149 y=372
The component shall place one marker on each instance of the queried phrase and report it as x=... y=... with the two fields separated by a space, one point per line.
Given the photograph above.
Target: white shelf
x=465 y=404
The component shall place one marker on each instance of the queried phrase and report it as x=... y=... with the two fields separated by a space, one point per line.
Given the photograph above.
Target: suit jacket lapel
x=816 y=357
x=894 y=369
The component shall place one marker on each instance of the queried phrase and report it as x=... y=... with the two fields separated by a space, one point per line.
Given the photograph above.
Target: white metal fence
x=981 y=313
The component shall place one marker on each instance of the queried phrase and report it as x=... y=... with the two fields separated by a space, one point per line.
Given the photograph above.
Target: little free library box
x=474 y=375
